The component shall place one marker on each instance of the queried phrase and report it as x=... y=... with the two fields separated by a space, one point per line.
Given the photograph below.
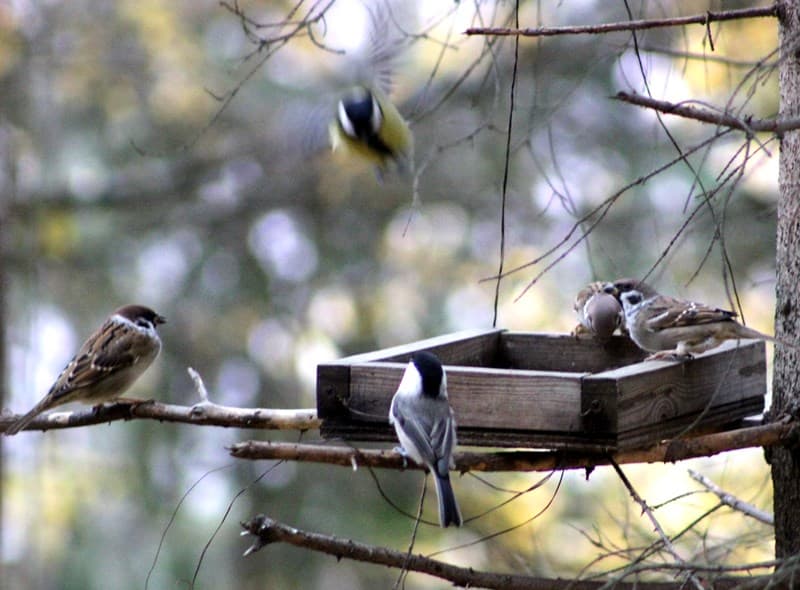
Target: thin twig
x=721 y=119
x=632 y=25
x=730 y=500
x=506 y=164
x=199 y=386
x=665 y=540
x=401 y=580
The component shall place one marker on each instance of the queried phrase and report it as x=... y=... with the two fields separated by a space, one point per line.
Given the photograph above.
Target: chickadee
x=107 y=364
x=599 y=313
x=675 y=328
x=426 y=428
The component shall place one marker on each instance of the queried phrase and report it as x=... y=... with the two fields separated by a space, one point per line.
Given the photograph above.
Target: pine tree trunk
x=785 y=461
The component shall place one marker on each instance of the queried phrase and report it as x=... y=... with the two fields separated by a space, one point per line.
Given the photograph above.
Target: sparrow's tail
x=745 y=332
x=448 y=507
x=21 y=423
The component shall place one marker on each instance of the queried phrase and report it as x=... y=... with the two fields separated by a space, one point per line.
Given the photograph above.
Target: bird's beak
x=160 y=319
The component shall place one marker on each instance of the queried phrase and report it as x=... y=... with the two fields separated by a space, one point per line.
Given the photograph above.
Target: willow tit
x=670 y=327
x=426 y=428
x=107 y=364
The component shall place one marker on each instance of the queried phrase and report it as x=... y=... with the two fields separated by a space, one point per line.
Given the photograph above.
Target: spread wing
x=669 y=312
x=384 y=47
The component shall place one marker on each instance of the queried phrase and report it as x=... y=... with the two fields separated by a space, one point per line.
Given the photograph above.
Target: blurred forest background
x=123 y=180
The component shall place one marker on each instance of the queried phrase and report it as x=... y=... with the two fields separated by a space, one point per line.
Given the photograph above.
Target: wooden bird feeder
x=551 y=391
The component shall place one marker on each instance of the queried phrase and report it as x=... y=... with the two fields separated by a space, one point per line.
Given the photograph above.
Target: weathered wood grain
x=563 y=352
x=651 y=401
x=468 y=347
x=471 y=437
x=480 y=397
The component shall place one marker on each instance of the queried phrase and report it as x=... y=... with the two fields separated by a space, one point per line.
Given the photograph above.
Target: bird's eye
x=143 y=323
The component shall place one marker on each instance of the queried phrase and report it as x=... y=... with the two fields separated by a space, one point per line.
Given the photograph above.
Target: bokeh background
x=123 y=179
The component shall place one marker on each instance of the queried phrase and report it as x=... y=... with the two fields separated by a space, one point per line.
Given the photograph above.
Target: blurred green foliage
x=124 y=180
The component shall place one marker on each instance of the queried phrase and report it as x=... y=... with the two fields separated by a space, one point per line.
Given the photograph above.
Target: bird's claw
x=404 y=454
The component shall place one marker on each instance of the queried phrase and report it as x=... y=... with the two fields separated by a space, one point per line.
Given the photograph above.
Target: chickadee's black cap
x=360 y=110
x=431 y=371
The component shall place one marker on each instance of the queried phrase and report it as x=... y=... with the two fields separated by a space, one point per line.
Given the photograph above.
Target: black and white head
x=631 y=300
x=621 y=286
x=360 y=115
x=431 y=374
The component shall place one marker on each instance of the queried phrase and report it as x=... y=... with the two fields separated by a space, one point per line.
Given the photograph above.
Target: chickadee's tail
x=448 y=507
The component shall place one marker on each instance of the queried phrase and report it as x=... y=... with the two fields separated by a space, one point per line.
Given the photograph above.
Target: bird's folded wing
x=668 y=312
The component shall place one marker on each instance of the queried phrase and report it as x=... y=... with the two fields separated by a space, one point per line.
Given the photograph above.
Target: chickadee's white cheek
x=377 y=116
x=411 y=383
x=345 y=122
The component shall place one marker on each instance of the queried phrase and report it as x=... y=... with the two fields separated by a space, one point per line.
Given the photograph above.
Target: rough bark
x=786 y=384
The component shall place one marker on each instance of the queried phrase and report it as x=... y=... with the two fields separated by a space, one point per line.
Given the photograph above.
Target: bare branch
x=669 y=451
x=203 y=414
x=730 y=500
x=705 y=57
x=721 y=119
x=631 y=25
x=267 y=531
x=665 y=540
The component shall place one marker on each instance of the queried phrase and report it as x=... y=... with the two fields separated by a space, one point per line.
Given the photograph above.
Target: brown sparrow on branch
x=107 y=364
x=599 y=313
x=676 y=329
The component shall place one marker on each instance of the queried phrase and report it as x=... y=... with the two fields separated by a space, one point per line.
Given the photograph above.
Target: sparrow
x=106 y=365
x=672 y=328
x=424 y=423
x=620 y=286
x=599 y=312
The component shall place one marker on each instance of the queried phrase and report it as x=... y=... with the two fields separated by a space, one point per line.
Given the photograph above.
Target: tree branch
x=630 y=25
x=721 y=119
x=731 y=500
x=267 y=531
x=202 y=414
x=669 y=451
x=665 y=540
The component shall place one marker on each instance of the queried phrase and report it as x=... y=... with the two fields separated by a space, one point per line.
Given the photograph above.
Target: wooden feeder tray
x=551 y=391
